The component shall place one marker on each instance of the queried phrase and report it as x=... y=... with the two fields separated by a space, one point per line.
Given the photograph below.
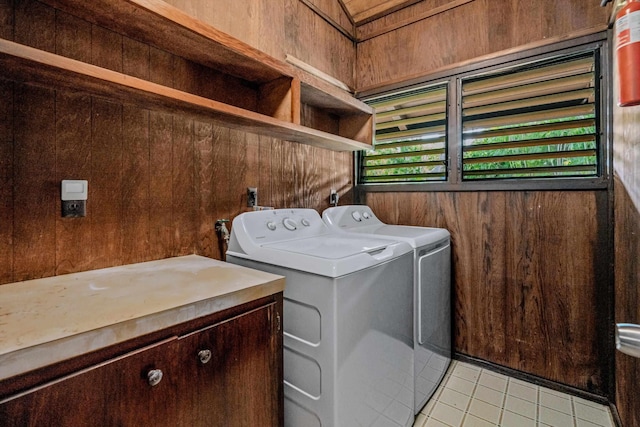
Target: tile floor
x=470 y=396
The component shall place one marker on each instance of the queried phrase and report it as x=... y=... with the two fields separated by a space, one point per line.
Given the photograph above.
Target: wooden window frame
x=598 y=42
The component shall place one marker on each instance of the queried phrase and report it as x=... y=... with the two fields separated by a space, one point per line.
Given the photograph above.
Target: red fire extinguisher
x=628 y=50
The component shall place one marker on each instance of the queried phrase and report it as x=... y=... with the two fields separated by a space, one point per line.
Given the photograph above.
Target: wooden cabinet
x=230 y=373
x=226 y=374
x=255 y=92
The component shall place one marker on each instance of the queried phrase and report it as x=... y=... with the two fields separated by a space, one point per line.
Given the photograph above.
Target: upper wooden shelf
x=161 y=25
x=25 y=64
x=330 y=111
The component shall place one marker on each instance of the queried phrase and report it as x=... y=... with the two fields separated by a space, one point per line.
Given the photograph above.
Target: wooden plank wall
x=280 y=27
x=527 y=276
x=467 y=30
x=531 y=269
x=157 y=182
x=626 y=150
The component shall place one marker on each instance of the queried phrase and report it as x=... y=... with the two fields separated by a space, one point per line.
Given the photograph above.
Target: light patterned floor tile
x=554 y=418
x=447 y=414
x=460 y=385
x=435 y=423
x=467 y=372
x=455 y=399
x=470 y=396
x=595 y=415
x=492 y=381
x=509 y=419
x=489 y=395
x=583 y=423
x=586 y=402
x=523 y=392
x=522 y=407
x=557 y=402
x=485 y=411
x=472 y=421
x=554 y=392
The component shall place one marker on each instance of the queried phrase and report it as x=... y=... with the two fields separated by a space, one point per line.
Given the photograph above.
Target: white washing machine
x=348 y=328
x=432 y=274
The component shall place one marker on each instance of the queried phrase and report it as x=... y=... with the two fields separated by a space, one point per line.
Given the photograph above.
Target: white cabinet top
x=44 y=321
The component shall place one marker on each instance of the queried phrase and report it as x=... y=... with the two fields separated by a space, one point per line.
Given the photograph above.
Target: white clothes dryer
x=348 y=328
x=432 y=275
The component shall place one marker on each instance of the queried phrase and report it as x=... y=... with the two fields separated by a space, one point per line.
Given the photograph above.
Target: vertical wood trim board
x=626 y=163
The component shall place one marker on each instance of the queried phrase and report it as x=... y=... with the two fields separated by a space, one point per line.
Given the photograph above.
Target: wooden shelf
x=331 y=109
x=313 y=108
x=28 y=65
x=161 y=25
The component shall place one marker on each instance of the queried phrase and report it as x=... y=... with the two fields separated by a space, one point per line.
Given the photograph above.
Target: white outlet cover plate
x=73 y=189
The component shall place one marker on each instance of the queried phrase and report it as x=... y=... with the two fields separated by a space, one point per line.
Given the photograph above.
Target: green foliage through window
x=410 y=137
x=538 y=121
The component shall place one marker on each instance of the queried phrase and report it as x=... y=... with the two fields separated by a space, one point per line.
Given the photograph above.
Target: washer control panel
x=281 y=224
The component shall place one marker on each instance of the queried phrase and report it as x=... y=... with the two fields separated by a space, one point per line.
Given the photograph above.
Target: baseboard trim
x=616 y=416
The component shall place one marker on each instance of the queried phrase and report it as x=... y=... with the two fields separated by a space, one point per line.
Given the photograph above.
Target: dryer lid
x=402 y=232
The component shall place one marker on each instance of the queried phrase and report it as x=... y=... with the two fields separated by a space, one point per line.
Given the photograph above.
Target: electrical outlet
x=252 y=196
x=74 y=208
x=73 y=194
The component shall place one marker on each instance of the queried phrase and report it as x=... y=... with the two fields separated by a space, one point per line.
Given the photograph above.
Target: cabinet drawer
x=116 y=392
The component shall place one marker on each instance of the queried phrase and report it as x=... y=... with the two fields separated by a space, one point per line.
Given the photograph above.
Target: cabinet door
x=114 y=393
x=233 y=372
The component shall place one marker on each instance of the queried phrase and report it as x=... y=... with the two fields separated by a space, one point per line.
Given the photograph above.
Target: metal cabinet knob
x=154 y=377
x=204 y=356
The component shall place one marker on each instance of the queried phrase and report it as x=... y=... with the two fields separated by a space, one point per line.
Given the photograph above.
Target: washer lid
x=321 y=256
x=331 y=246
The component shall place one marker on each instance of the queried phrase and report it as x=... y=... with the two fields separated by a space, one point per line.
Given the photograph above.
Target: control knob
x=356 y=216
x=289 y=224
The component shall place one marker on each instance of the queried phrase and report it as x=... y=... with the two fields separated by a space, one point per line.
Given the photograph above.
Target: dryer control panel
x=346 y=217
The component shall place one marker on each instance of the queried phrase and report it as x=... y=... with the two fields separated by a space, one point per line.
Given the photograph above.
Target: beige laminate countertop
x=44 y=321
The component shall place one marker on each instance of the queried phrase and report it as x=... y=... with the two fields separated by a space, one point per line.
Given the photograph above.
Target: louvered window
x=532 y=122
x=410 y=140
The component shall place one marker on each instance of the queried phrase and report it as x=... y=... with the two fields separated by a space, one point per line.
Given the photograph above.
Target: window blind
x=410 y=139
x=531 y=122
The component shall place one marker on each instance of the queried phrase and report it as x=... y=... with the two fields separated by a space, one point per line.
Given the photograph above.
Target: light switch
x=74 y=189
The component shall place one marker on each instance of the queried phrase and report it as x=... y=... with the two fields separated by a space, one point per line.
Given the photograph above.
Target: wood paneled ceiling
x=362 y=11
